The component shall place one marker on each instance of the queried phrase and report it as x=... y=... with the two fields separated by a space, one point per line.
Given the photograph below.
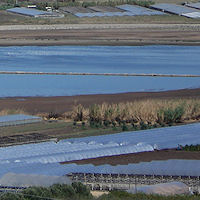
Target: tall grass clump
x=170 y=115
x=144 y=114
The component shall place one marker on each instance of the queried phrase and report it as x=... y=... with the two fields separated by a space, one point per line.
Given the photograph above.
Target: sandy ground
x=100 y=34
x=140 y=157
x=35 y=105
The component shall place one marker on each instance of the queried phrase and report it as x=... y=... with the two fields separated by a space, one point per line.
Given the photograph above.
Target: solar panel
x=173 y=8
x=28 y=11
x=138 y=10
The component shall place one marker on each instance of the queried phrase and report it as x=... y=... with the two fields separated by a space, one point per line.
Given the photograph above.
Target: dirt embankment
x=35 y=105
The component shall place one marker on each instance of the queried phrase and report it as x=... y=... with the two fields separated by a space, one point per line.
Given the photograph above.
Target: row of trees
x=80 y=192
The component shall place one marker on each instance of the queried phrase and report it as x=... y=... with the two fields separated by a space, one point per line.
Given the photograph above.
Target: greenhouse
x=18 y=119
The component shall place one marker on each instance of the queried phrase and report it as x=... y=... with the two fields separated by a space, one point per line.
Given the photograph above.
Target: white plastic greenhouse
x=171 y=188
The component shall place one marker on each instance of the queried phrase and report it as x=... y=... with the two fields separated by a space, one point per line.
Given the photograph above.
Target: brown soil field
x=61 y=104
x=140 y=157
x=101 y=34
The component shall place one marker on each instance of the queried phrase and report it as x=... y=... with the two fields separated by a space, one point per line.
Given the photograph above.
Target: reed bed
x=149 y=111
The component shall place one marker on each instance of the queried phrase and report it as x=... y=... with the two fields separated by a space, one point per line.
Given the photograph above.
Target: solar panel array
x=138 y=10
x=11 y=120
x=27 y=11
x=177 y=9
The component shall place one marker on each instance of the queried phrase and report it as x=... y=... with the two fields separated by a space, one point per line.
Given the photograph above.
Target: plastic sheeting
x=138 y=10
x=104 y=14
x=50 y=152
x=193 y=15
x=169 y=167
x=27 y=11
x=173 y=8
x=168 y=137
x=172 y=188
x=129 y=10
x=28 y=180
x=44 y=157
x=193 y=5
x=105 y=145
x=9 y=120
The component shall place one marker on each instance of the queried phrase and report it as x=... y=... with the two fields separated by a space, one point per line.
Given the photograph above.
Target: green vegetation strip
x=78 y=191
x=97 y=74
x=190 y=147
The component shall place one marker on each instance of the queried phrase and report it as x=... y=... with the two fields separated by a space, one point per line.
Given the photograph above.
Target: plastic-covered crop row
x=138 y=10
x=106 y=145
x=11 y=120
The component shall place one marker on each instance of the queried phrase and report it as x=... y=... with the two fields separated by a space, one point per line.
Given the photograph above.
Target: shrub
x=124 y=127
x=170 y=115
x=11 y=196
x=82 y=190
x=94 y=113
x=53 y=115
x=143 y=126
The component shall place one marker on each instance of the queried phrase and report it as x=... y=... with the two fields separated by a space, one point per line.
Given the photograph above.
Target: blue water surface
x=50 y=85
x=96 y=59
x=102 y=59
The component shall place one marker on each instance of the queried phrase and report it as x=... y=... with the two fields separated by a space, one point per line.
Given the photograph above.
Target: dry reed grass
x=147 y=111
